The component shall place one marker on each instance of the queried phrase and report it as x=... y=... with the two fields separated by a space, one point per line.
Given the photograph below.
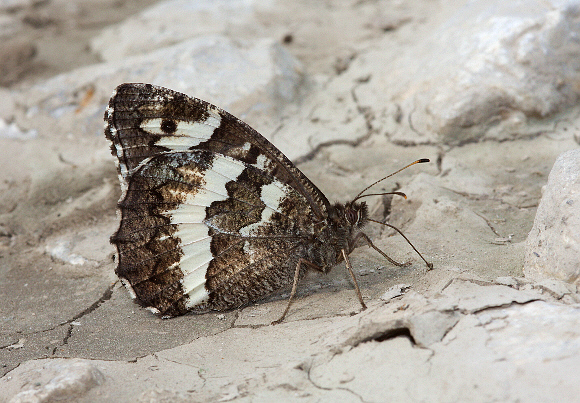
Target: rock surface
x=350 y=91
x=553 y=245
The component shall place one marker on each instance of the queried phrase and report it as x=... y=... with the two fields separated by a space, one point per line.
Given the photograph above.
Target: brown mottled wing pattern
x=212 y=214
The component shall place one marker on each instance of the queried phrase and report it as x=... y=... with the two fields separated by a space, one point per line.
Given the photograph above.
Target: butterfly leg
x=372 y=245
x=349 y=267
x=429 y=264
x=295 y=286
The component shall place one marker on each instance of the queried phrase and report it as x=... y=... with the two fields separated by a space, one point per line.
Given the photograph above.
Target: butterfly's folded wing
x=212 y=214
x=145 y=120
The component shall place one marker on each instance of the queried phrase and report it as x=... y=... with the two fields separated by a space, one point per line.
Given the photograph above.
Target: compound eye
x=351 y=216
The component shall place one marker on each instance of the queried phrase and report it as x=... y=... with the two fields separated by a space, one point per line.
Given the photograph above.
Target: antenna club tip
x=423 y=160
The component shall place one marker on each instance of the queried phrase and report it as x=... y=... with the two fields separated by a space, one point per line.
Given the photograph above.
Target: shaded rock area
x=350 y=91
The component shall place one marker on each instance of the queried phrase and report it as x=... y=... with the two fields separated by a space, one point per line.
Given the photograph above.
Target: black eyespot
x=168 y=126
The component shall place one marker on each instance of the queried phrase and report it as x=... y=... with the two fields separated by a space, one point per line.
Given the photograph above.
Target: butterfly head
x=354 y=214
x=345 y=224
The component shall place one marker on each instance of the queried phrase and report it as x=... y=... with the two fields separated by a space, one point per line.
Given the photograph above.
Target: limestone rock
x=553 y=245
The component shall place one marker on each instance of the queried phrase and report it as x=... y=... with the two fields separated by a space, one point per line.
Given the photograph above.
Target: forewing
x=144 y=120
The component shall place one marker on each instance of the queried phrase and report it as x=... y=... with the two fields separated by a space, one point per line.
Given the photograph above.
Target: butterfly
x=212 y=215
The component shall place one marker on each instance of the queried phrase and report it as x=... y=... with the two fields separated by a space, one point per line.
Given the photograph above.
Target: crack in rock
x=105 y=297
x=422 y=329
x=309 y=377
x=321 y=146
x=71 y=322
x=368 y=116
x=380 y=332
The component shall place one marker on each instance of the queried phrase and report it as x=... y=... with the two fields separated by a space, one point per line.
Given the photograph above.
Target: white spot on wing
x=195 y=246
x=227 y=167
x=273 y=194
x=191 y=233
x=194 y=264
x=196 y=295
x=187 y=213
x=189 y=218
x=127 y=285
x=252 y=229
x=182 y=143
x=187 y=134
x=223 y=170
x=249 y=251
x=263 y=163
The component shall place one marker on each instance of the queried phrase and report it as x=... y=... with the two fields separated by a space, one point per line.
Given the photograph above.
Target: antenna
x=358 y=196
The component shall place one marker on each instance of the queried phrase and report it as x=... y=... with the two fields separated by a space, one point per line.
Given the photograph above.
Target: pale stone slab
x=482 y=69
x=553 y=245
x=169 y=22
